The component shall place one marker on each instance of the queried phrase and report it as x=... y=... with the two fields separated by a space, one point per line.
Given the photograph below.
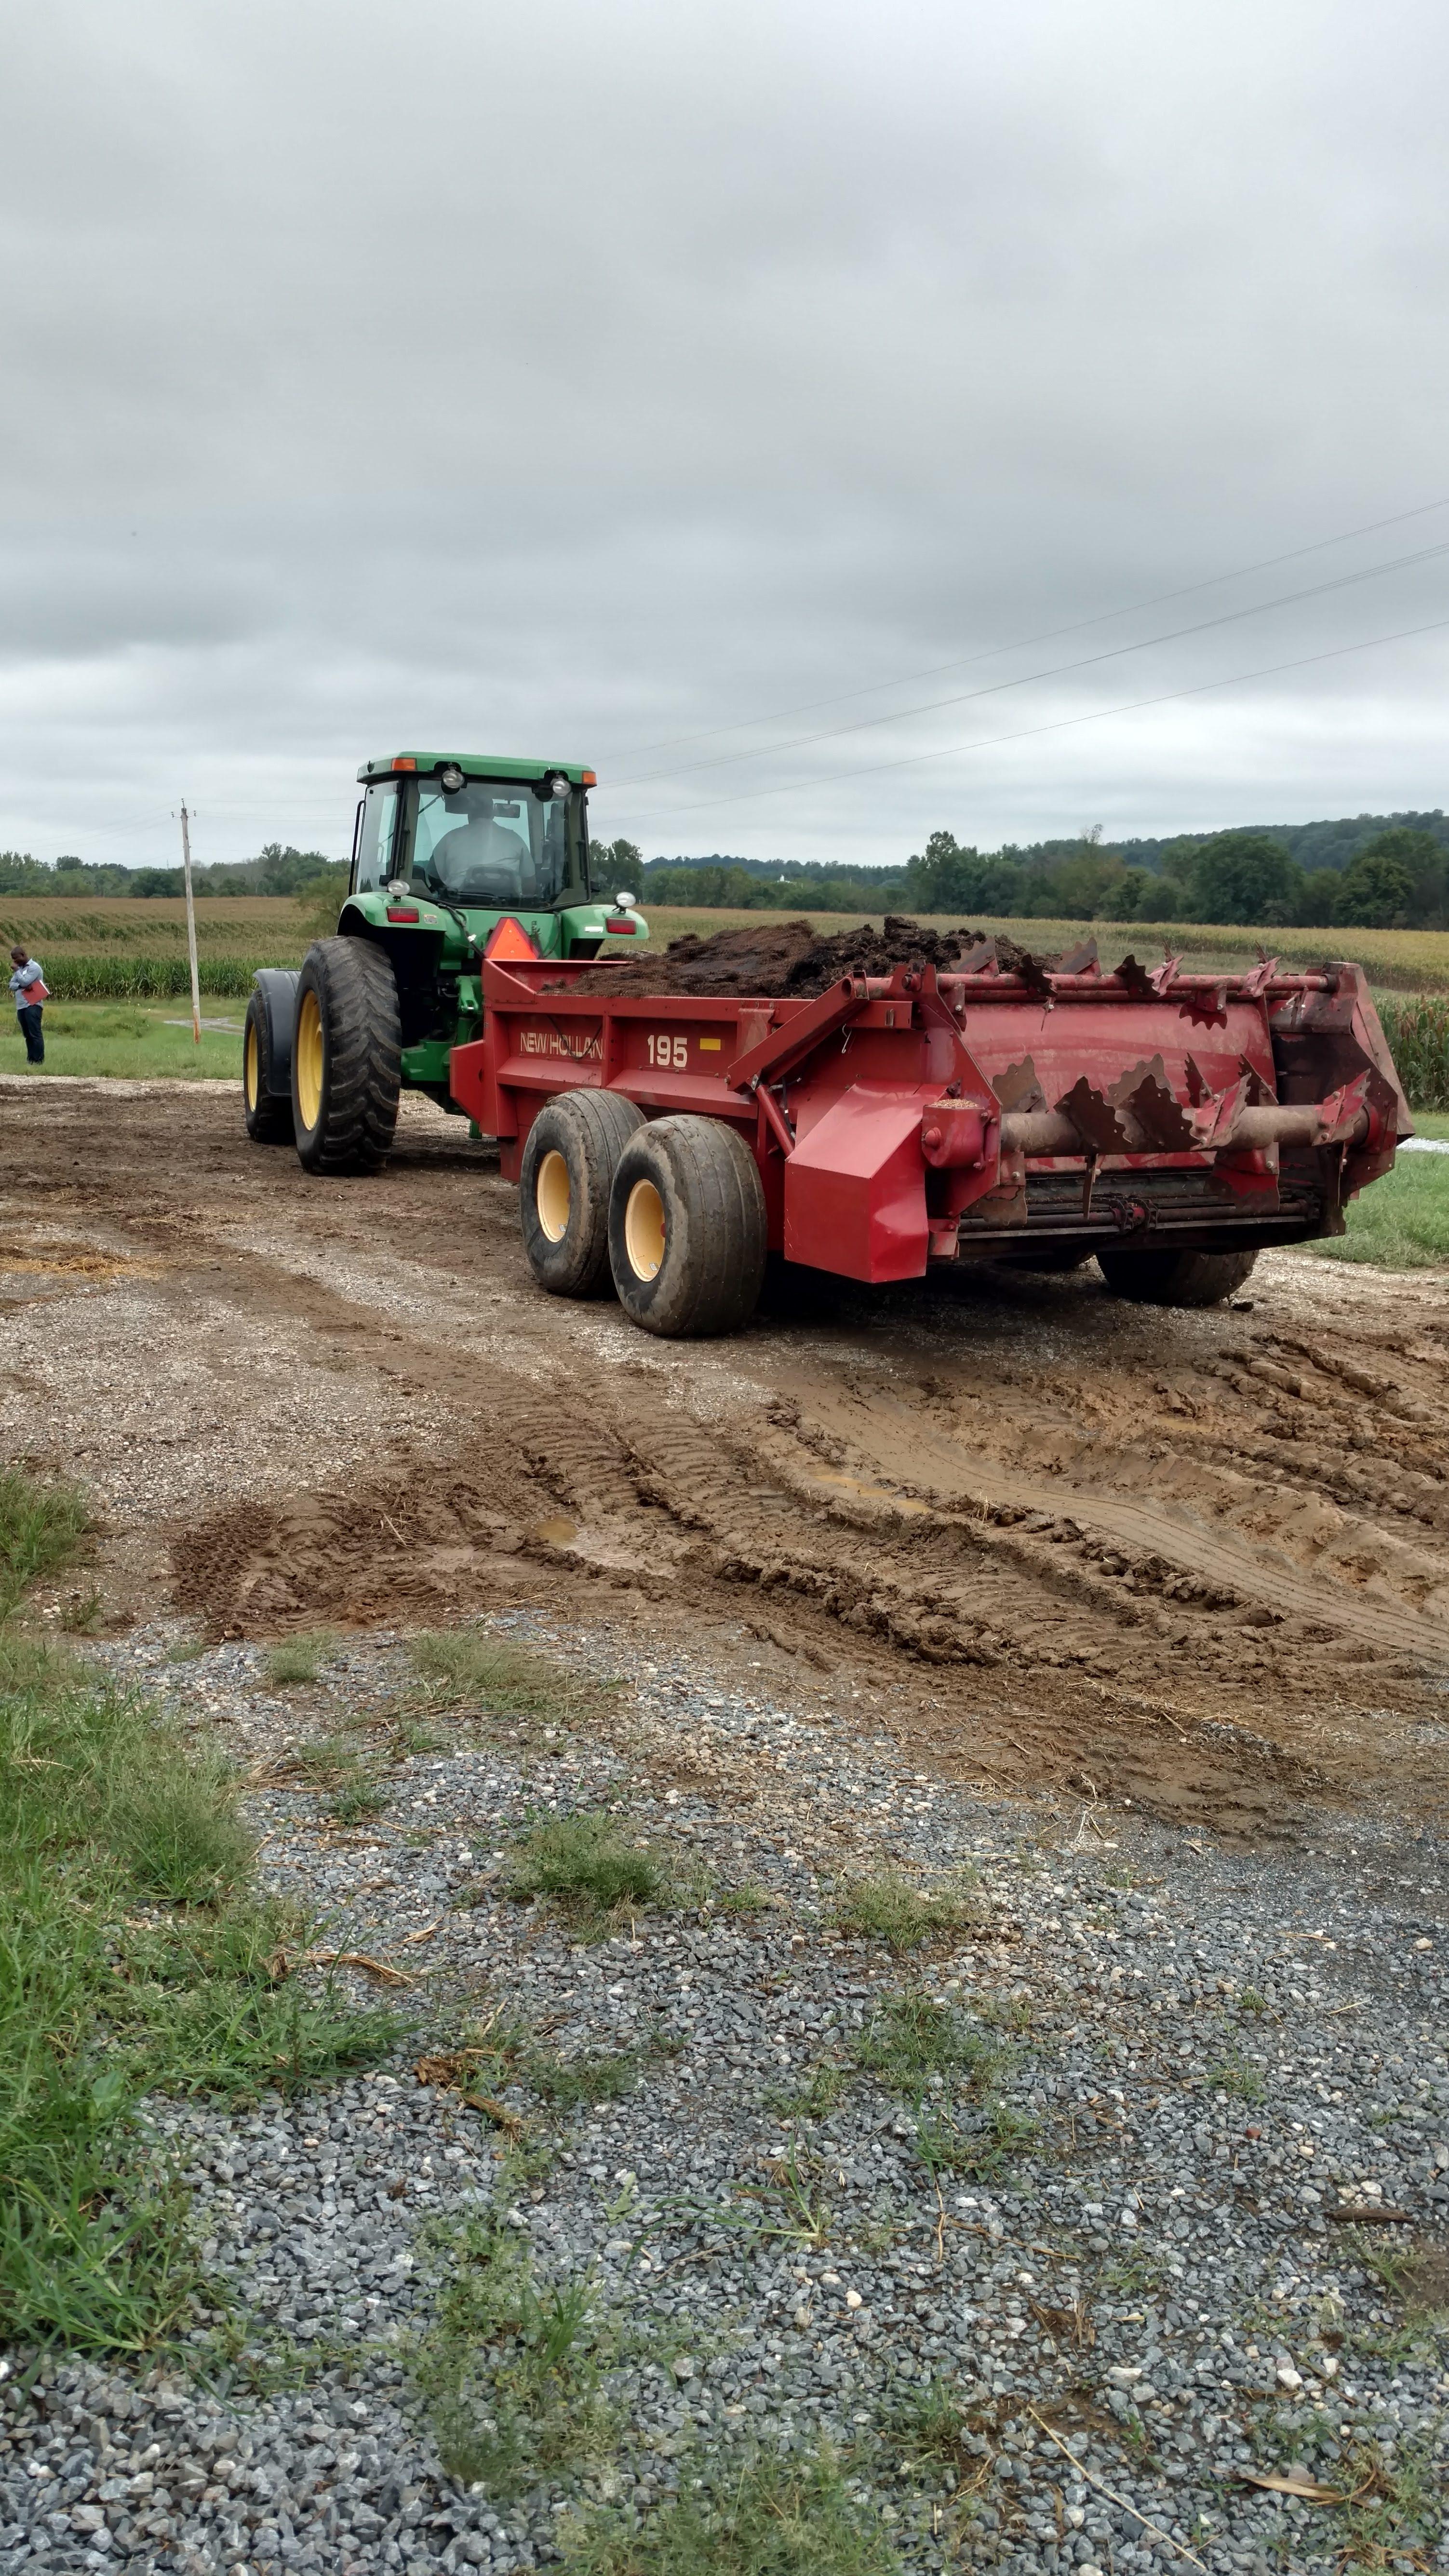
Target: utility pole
x=190 y=923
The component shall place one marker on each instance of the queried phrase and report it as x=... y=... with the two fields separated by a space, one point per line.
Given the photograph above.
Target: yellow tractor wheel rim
x=251 y=1070
x=310 y=1056
x=644 y=1230
x=551 y=1196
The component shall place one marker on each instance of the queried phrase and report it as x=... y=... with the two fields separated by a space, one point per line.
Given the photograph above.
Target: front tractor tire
x=687 y=1228
x=1176 y=1278
x=569 y=1162
x=268 y=1111
x=346 y=1058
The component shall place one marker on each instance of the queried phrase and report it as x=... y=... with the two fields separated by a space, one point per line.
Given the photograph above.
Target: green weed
x=748 y=1898
x=335 y=1768
x=891 y=1908
x=584 y=1864
x=912 y=2037
x=41 y=1526
x=594 y=2077
x=298 y=1659
x=794 y=2209
x=813 y=2100
x=927 y=2430
x=978 y=2148
x=1237 y=2077
x=764 y=2514
x=178 y=1831
x=473 y=1671
x=1251 y=2002
x=133 y=1959
x=510 y=2372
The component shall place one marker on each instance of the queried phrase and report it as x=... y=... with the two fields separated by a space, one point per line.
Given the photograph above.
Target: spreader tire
x=268 y=1112
x=687 y=1230
x=346 y=1058
x=1176 y=1278
x=569 y=1163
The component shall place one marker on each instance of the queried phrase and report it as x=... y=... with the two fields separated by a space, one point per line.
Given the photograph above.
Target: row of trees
x=1397 y=877
x=274 y=870
x=1400 y=879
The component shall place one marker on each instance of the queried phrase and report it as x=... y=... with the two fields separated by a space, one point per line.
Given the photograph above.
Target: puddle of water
x=557 y=1533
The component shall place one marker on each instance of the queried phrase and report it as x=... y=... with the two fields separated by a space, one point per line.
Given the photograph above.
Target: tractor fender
x=277 y=995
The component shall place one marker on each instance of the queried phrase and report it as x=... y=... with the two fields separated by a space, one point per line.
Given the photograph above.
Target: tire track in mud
x=1167 y=1558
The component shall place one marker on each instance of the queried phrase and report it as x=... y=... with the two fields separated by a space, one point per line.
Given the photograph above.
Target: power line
x=1059 y=724
x=1056 y=671
x=1048 y=635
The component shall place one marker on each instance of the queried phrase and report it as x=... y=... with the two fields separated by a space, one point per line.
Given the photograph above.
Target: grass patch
x=510 y=2372
x=748 y=1898
x=1237 y=2077
x=584 y=1864
x=335 y=1769
x=597 y=2076
x=911 y=2037
x=134 y=1958
x=298 y=1659
x=41 y=1527
x=472 y=1672
x=918 y=2045
x=764 y=2514
x=890 y=1907
x=1402 y=1221
x=139 y=1044
x=980 y=2146
x=814 y=2100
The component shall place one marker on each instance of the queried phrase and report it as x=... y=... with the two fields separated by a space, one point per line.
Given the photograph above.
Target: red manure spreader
x=679 y=1143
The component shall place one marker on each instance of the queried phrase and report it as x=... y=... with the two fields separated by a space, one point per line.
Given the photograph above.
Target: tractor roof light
x=556 y=785
x=403 y=760
x=450 y=777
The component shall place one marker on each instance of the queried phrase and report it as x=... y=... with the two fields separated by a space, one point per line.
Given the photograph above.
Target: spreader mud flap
x=277 y=994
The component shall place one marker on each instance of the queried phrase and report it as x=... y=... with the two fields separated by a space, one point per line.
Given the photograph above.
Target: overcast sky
x=585 y=379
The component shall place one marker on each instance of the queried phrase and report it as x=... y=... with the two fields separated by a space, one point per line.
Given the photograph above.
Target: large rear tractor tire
x=569 y=1162
x=346 y=1058
x=687 y=1228
x=268 y=1113
x=1176 y=1278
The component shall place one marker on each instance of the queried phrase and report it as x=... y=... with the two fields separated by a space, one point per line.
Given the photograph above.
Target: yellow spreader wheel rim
x=551 y=1196
x=644 y=1230
x=308 y=1043
x=251 y=1071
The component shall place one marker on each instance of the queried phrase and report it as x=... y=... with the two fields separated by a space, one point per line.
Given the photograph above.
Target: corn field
x=1416 y=1026
x=120 y=978
x=1418 y=1035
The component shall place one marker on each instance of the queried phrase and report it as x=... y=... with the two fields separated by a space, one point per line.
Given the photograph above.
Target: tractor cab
x=460 y=856
x=455 y=857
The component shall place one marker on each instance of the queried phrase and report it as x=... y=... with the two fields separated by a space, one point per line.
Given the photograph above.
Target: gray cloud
x=580 y=379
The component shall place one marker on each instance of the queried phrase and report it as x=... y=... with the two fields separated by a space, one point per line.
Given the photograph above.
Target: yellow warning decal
x=710 y=1046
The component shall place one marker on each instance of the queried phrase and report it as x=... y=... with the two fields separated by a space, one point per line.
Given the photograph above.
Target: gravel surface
x=1133 y=2278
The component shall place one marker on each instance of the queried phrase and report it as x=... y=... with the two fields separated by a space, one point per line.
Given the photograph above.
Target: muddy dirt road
x=1195 y=1562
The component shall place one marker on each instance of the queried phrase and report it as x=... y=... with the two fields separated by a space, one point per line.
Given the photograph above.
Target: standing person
x=28 y=986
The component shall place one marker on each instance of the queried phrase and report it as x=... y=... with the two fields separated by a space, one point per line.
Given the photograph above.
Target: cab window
x=376 y=841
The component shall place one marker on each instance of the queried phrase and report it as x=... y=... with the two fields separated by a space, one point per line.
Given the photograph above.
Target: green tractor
x=453 y=858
